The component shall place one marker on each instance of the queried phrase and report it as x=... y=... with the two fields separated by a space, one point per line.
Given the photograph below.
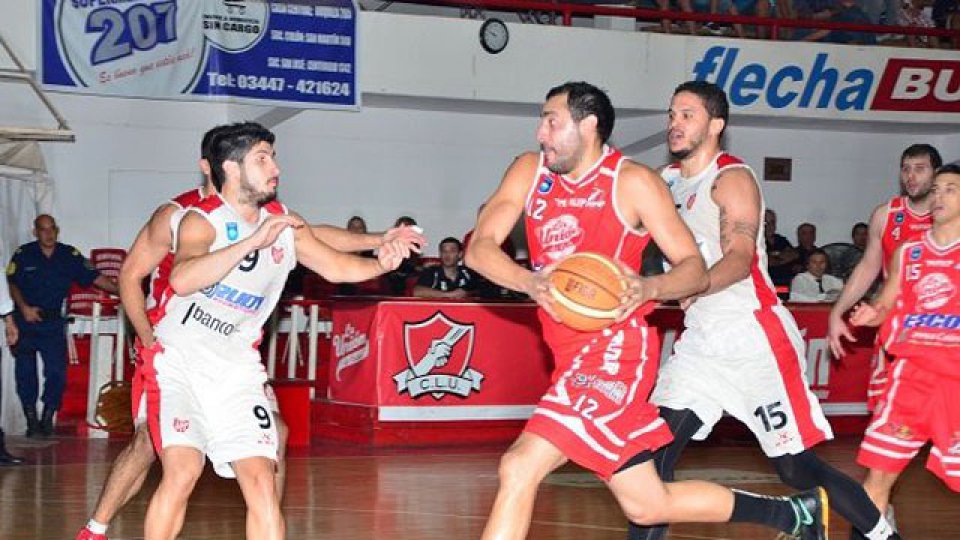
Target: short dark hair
x=923 y=149
x=584 y=99
x=858 y=225
x=451 y=240
x=806 y=224
x=949 y=168
x=404 y=220
x=208 y=138
x=232 y=144
x=713 y=97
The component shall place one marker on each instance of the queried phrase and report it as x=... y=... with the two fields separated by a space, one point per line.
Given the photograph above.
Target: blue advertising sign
x=289 y=53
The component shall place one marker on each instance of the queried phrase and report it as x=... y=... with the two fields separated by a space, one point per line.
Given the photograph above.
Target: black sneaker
x=813 y=514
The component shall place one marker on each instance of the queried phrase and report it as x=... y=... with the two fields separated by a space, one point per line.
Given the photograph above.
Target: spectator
x=806 y=244
x=40 y=275
x=780 y=254
x=685 y=6
x=815 y=285
x=911 y=13
x=396 y=281
x=358 y=225
x=859 y=235
x=779 y=9
x=945 y=14
x=845 y=11
x=449 y=279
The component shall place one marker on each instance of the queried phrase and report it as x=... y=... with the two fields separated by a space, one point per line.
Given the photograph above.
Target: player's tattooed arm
x=737 y=196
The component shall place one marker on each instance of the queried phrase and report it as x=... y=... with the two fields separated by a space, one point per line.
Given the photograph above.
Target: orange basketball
x=587 y=288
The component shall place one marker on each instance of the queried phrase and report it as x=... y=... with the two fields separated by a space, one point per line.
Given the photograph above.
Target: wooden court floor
x=355 y=493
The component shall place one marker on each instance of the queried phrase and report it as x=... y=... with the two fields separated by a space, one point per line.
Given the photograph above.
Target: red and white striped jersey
x=925 y=323
x=901 y=225
x=161 y=274
x=565 y=216
x=232 y=311
x=696 y=206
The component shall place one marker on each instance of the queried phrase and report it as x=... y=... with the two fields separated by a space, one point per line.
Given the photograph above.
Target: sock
x=882 y=531
x=776 y=512
x=96 y=527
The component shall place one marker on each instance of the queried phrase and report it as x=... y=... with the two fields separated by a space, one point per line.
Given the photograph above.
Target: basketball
x=587 y=288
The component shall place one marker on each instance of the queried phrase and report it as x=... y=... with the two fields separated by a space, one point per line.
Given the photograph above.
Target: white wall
x=435 y=159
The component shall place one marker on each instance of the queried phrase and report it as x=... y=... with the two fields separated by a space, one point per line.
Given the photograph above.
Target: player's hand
x=410 y=235
x=31 y=314
x=836 y=331
x=11 y=331
x=391 y=254
x=268 y=231
x=638 y=292
x=864 y=314
x=537 y=288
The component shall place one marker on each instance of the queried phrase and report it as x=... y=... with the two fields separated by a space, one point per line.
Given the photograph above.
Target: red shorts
x=597 y=411
x=879 y=362
x=918 y=406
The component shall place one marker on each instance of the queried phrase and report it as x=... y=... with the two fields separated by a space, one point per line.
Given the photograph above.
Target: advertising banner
x=290 y=54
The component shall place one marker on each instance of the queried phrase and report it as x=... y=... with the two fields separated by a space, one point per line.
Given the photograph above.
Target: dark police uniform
x=44 y=283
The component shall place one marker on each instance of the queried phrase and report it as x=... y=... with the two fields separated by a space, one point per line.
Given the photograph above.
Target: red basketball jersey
x=161 y=275
x=925 y=324
x=565 y=216
x=902 y=225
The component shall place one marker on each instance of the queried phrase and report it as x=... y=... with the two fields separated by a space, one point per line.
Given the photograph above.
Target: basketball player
x=900 y=219
x=203 y=374
x=151 y=254
x=741 y=351
x=920 y=311
x=578 y=194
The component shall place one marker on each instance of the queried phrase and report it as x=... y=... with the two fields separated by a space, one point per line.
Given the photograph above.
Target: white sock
x=881 y=531
x=96 y=527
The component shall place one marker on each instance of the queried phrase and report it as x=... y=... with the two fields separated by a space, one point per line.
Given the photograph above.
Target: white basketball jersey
x=695 y=204
x=232 y=311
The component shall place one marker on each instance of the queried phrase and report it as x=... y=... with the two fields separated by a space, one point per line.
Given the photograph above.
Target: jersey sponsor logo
x=934 y=291
x=596 y=199
x=196 y=314
x=350 y=348
x=438 y=351
x=233 y=231
x=181 y=425
x=915 y=253
x=615 y=391
x=277 y=253
x=905 y=84
x=546 y=184
x=939 y=263
x=560 y=236
x=898 y=218
x=932 y=320
x=233 y=298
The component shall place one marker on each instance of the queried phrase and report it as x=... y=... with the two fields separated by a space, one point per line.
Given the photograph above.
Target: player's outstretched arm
x=858 y=284
x=875 y=313
x=343 y=240
x=152 y=244
x=338 y=267
x=196 y=267
x=645 y=200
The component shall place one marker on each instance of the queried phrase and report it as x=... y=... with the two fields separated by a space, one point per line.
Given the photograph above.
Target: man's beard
x=682 y=154
x=250 y=193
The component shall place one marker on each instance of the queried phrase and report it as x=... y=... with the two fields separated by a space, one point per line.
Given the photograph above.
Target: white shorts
x=752 y=368
x=194 y=400
x=272 y=402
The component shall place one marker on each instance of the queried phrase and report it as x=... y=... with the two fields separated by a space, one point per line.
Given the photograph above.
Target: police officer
x=11 y=333
x=40 y=275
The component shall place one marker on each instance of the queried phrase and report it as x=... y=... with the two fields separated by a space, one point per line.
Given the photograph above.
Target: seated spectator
x=395 y=282
x=844 y=11
x=358 y=225
x=911 y=13
x=806 y=244
x=449 y=279
x=779 y=9
x=685 y=6
x=946 y=14
x=859 y=235
x=815 y=285
x=780 y=254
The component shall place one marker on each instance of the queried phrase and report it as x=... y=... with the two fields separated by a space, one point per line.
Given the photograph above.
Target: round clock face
x=494 y=36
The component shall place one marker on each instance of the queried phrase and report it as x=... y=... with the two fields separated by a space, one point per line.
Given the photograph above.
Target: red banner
x=426 y=360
